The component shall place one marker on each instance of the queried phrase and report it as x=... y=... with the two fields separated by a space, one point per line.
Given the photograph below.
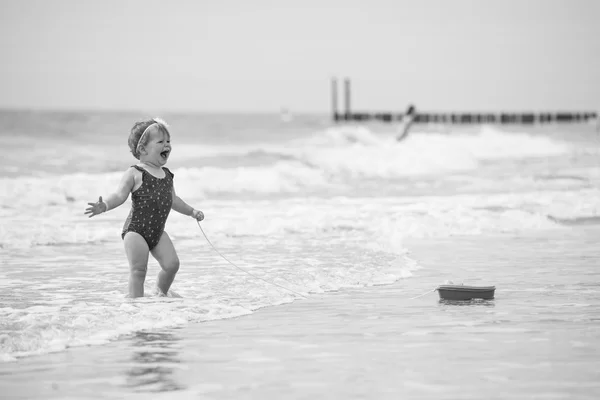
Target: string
x=421 y=295
x=243 y=270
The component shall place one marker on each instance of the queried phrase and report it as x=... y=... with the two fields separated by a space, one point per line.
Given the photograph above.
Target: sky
x=266 y=55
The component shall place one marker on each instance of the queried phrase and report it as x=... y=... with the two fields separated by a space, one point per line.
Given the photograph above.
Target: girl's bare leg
x=137 y=252
x=165 y=254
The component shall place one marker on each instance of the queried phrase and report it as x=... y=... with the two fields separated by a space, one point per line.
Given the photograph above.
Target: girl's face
x=158 y=147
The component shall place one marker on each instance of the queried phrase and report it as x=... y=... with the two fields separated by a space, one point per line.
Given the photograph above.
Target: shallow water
x=537 y=339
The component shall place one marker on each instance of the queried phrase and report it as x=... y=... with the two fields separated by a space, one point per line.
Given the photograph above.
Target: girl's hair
x=137 y=134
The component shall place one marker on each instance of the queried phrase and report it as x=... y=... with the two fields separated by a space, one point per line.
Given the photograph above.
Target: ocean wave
x=577 y=221
x=357 y=152
x=336 y=160
x=373 y=220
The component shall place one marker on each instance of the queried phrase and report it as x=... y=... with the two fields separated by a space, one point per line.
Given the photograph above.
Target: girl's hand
x=197 y=215
x=96 y=208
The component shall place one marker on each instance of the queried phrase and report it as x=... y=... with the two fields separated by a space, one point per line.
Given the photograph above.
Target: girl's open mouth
x=165 y=154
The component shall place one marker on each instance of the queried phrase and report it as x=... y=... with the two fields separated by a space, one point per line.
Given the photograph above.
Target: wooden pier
x=455 y=117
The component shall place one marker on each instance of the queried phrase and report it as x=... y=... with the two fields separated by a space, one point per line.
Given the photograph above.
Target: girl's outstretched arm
x=115 y=199
x=182 y=207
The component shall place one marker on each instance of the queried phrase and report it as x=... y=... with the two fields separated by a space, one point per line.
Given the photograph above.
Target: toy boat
x=462 y=292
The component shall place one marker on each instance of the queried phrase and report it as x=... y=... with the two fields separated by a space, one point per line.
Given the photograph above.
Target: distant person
x=407 y=121
x=285 y=115
x=152 y=197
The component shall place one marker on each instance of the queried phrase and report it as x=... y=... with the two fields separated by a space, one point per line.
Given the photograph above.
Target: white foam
x=280 y=178
x=492 y=144
x=342 y=217
x=50 y=327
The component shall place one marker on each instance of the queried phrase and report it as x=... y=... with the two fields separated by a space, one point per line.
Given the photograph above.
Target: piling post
x=347 y=99
x=334 y=100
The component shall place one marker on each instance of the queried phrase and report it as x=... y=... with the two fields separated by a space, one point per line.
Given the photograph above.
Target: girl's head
x=145 y=133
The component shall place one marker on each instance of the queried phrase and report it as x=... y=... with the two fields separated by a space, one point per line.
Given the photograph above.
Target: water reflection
x=154 y=362
x=472 y=303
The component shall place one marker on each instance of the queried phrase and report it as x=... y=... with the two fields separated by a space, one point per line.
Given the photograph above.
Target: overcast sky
x=263 y=55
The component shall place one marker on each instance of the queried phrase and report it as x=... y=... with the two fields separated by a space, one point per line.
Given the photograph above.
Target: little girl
x=152 y=196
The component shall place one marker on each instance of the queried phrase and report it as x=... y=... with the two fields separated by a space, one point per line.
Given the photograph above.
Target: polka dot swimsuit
x=151 y=204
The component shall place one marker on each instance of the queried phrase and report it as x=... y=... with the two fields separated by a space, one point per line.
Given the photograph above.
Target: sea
x=305 y=217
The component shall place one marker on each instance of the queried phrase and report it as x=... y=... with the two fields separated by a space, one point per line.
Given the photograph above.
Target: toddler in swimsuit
x=152 y=197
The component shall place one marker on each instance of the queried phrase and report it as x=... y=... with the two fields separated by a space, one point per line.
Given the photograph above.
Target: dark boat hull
x=461 y=292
